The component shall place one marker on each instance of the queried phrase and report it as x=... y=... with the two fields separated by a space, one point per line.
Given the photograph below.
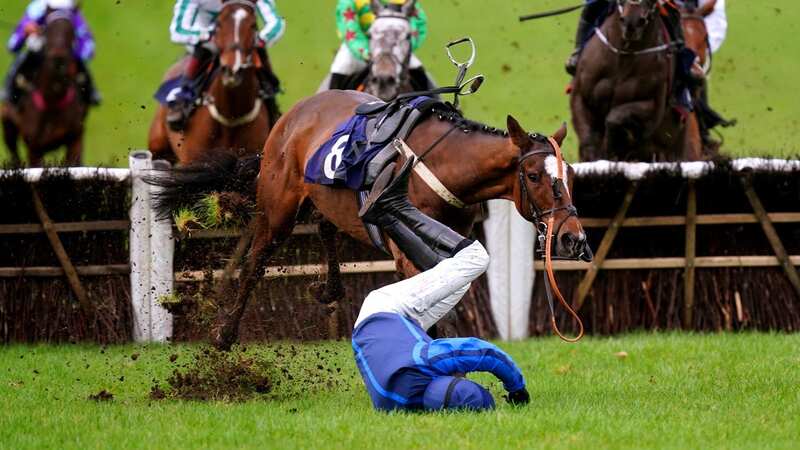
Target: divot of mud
x=102 y=396
x=267 y=373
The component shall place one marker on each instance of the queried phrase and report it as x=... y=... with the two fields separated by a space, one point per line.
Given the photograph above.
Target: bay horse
x=52 y=112
x=475 y=162
x=622 y=90
x=233 y=115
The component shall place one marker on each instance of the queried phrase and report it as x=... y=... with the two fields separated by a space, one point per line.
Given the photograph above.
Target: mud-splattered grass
x=639 y=391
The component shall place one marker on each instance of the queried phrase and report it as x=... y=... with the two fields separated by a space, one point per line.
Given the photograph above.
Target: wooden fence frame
x=152 y=275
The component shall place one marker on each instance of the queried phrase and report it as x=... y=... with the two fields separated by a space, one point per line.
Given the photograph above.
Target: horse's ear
x=517 y=134
x=376 y=6
x=708 y=8
x=408 y=7
x=561 y=133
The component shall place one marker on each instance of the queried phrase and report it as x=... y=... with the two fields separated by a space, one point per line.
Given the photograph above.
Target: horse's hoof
x=325 y=294
x=223 y=338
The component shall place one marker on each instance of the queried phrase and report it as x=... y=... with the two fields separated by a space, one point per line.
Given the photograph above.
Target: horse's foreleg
x=269 y=232
x=589 y=137
x=331 y=290
x=692 y=142
x=75 y=152
x=11 y=139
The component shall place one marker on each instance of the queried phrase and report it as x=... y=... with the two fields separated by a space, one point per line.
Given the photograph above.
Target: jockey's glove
x=520 y=397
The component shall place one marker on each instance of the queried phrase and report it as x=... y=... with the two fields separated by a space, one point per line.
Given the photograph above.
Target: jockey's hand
x=520 y=397
x=31 y=28
x=34 y=42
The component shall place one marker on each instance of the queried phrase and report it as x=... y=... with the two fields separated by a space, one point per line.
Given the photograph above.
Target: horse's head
x=389 y=48
x=59 y=66
x=635 y=16
x=540 y=191
x=236 y=37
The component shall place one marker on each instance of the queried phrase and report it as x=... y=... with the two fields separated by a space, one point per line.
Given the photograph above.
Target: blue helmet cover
x=456 y=393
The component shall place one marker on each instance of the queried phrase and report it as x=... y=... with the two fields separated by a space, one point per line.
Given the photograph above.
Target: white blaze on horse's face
x=238 y=18
x=389 y=38
x=551 y=167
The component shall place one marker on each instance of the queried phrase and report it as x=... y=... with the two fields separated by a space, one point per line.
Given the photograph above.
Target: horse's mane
x=454 y=116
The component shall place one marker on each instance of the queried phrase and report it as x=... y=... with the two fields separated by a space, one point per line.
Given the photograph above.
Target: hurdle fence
x=152 y=242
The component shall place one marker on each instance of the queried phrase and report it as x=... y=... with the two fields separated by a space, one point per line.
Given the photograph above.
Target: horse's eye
x=533 y=177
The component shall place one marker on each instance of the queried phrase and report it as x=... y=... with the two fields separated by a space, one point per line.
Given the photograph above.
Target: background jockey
x=26 y=42
x=192 y=25
x=353 y=19
x=594 y=14
x=401 y=366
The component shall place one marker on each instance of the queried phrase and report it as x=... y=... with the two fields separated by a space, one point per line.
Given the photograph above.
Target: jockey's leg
x=419 y=77
x=343 y=67
x=87 y=86
x=449 y=261
x=592 y=15
x=270 y=83
x=685 y=57
x=182 y=105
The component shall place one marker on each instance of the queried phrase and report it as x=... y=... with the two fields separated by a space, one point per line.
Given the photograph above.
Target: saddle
x=388 y=121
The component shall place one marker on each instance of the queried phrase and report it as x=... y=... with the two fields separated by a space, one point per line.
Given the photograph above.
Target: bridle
x=535 y=213
x=238 y=46
x=544 y=221
x=402 y=64
x=670 y=46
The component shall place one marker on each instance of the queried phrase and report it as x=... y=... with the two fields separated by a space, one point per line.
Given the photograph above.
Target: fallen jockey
x=353 y=20
x=595 y=12
x=192 y=25
x=403 y=368
x=26 y=43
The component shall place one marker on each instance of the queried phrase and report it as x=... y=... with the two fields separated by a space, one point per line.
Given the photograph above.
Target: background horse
x=475 y=162
x=390 y=50
x=623 y=88
x=52 y=112
x=233 y=115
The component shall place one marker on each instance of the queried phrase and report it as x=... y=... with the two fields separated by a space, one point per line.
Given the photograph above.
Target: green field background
x=753 y=79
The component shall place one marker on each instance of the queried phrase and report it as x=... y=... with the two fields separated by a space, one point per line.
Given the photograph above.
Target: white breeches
x=428 y=296
x=346 y=64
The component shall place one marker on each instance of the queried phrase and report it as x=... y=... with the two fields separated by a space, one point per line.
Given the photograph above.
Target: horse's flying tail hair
x=219 y=171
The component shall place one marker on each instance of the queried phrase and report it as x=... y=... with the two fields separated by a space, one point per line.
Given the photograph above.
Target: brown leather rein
x=537 y=216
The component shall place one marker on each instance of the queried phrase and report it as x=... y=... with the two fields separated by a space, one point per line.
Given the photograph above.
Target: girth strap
x=428 y=177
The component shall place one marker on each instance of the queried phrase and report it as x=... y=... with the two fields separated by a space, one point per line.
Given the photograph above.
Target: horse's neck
x=651 y=37
x=236 y=101
x=475 y=166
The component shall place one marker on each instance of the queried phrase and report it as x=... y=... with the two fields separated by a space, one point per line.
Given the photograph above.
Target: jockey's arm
x=30 y=19
x=84 y=41
x=185 y=29
x=348 y=24
x=419 y=27
x=274 y=24
x=465 y=355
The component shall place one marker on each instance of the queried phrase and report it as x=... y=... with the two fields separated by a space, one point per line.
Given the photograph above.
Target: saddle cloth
x=169 y=90
x=358 y=149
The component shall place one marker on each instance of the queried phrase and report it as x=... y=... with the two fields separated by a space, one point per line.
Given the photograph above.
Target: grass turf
x=752 y=80
x=671 y=391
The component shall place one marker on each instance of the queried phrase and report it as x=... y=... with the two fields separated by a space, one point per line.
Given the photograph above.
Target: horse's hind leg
x=270 y=230
x=331 y=290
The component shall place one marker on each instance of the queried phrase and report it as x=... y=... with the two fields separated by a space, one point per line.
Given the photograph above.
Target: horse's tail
x=218 y=172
